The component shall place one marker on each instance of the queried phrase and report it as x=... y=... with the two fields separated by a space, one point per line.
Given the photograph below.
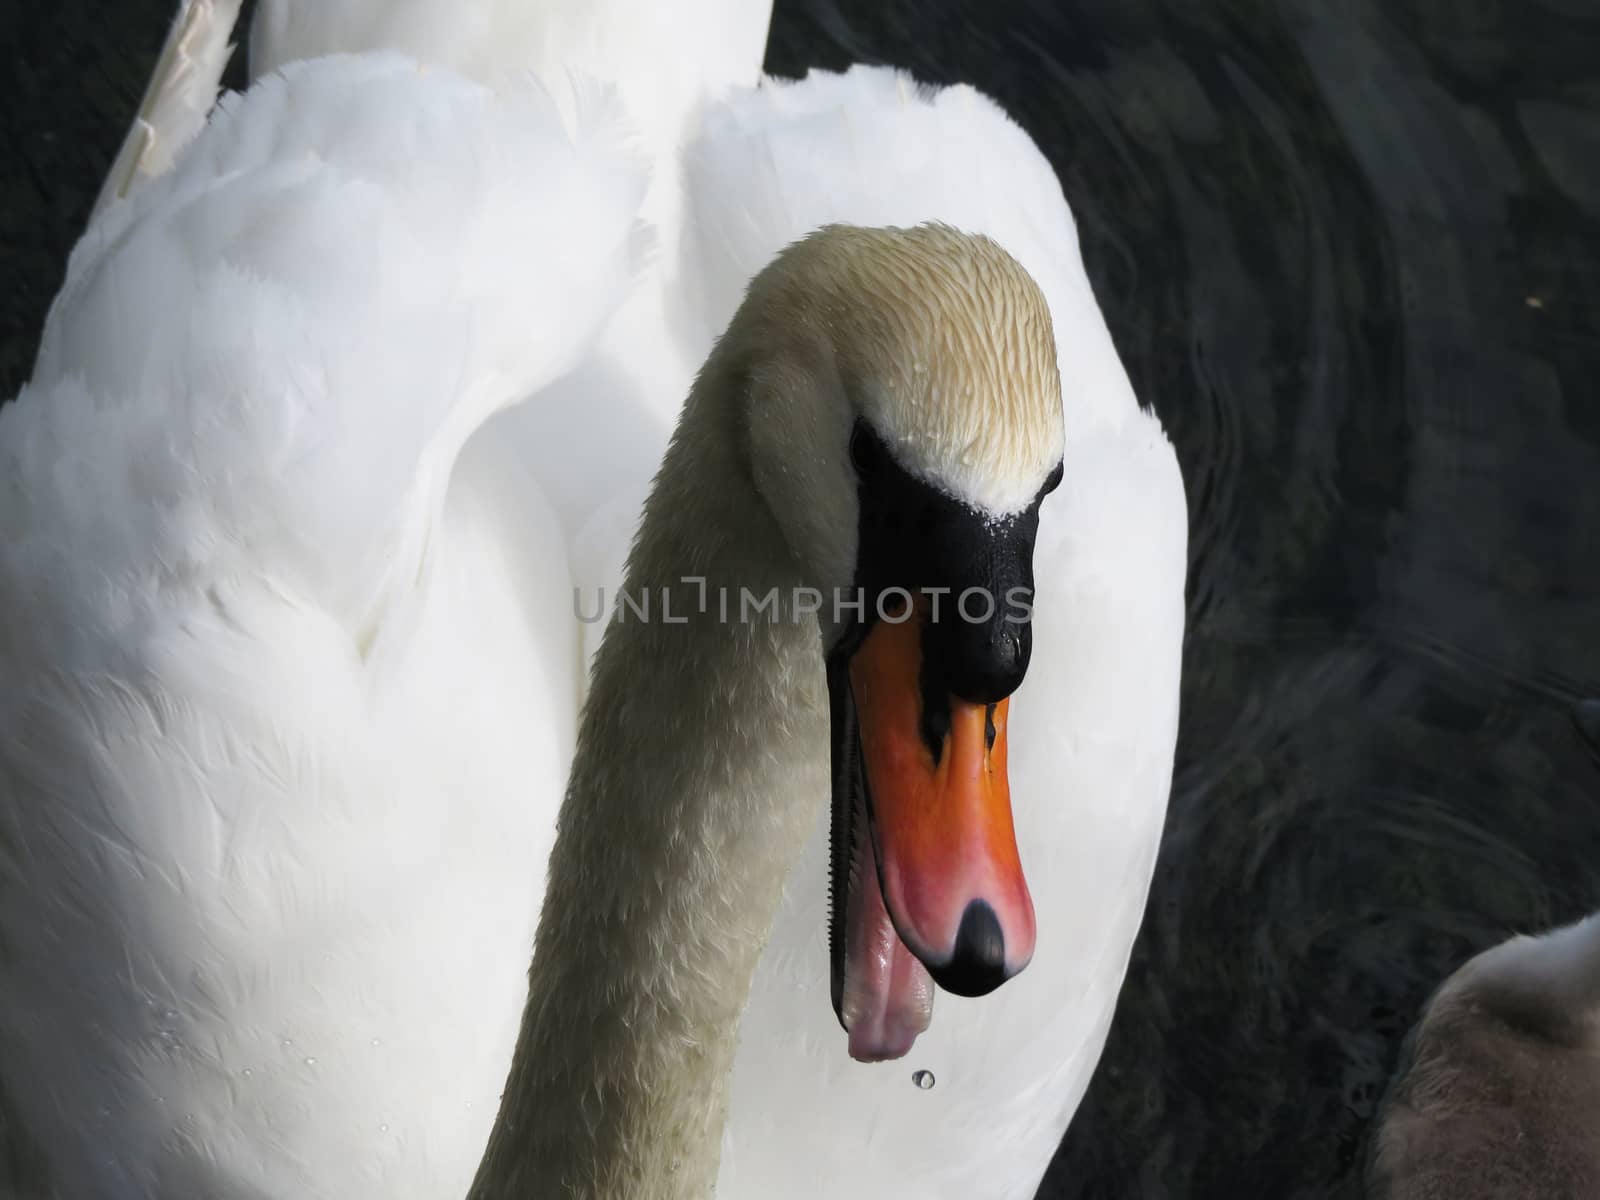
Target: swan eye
x=865 y=454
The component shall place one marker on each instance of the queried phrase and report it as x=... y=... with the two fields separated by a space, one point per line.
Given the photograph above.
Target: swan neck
x=700 y=770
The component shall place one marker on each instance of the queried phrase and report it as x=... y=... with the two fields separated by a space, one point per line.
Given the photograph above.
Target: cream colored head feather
x=951 y=343
x=938 y=339
x=947 y=344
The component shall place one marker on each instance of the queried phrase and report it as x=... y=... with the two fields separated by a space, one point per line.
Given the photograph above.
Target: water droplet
x=247 y=1072
x=377 y=1041
x=923 y=1079
x=383 y=1127
x=287 y=1042
x=310 y=1061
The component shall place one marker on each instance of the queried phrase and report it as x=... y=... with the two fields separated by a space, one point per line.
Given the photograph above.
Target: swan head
x=904 y=426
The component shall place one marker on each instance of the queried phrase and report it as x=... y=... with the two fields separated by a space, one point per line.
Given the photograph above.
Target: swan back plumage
x=285 y=647
x=663 y=62
x=355 y=308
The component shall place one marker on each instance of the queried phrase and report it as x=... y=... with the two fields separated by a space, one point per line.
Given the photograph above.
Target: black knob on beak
x=982 y=662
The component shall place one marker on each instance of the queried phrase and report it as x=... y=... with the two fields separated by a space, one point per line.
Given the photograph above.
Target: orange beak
x=938 y=806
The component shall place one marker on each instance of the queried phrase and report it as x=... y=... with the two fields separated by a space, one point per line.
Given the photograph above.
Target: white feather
x=282 y=663
x=290 y=668
x=182 y=89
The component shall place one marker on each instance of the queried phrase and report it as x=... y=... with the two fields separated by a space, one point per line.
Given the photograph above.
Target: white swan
x=1501 y=1079
x=290 y=667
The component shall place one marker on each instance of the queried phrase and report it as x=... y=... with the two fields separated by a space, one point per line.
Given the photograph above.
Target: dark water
x=1351 y=253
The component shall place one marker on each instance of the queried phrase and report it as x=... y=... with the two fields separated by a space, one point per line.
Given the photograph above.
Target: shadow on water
x=1351 y=254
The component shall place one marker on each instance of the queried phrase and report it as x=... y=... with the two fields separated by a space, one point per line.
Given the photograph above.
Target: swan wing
x=1092 y=728
x=182 y=89
x=598 y=440
x=287 y=660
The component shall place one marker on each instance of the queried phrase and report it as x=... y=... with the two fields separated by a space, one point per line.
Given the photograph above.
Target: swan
x=292 y=664
x=1499 y=1079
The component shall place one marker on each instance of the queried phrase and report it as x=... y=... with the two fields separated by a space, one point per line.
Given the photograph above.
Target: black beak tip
x=978 y=963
